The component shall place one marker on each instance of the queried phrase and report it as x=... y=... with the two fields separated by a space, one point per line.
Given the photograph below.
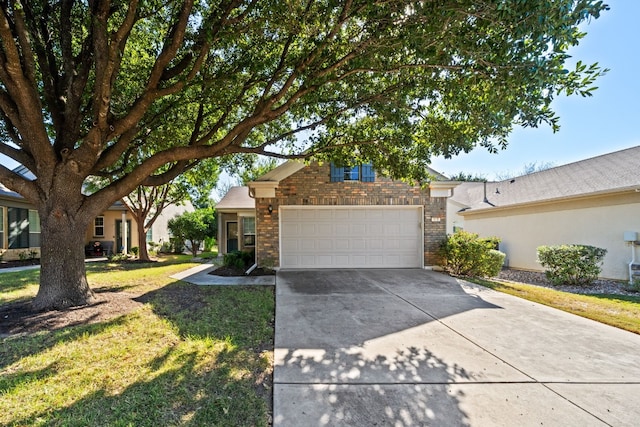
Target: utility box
x=630 y=236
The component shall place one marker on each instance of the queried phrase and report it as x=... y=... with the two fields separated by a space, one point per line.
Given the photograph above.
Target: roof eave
x=544 y=202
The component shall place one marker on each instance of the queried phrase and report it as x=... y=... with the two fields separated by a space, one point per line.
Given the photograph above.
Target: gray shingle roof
x=607 y=173
x=237 y=198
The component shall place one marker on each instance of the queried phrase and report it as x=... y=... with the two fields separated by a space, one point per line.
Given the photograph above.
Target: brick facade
x=311 y=186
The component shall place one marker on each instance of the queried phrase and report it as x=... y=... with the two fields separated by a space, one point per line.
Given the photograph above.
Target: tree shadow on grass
x=179 y=391
x=215 y=373
x=242 y=314
x=10 y=282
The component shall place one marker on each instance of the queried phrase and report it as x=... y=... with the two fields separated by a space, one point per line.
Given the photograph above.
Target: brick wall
x=311 y=186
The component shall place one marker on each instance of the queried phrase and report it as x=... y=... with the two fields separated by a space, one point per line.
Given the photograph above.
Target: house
x=20 y=227
x=594 y=202
x=318 y=215
x=236 y=218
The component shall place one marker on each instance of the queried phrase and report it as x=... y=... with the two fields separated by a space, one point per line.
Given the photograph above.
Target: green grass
x=189 y=356
x=620 y=311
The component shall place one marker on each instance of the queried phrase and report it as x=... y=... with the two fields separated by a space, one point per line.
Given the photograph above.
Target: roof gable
x=237 y=198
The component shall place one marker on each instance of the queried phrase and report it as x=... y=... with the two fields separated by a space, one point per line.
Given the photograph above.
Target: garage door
x=351 y=237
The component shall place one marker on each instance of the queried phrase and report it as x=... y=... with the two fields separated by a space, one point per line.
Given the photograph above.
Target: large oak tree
x=138 y=91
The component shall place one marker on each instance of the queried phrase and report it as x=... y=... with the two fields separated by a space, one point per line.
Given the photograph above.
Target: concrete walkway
x=199 y=275
x=417 y=348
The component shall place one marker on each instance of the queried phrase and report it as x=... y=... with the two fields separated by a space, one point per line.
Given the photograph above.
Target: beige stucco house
x=322 y=216
x=594 y=202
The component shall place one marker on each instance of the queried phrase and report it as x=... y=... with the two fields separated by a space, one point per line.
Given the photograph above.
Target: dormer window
x=364 y=173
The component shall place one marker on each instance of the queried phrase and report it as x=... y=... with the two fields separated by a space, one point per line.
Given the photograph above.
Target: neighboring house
x=107 y=228
x=322 y=216
x=20 y=227
x=593 y=202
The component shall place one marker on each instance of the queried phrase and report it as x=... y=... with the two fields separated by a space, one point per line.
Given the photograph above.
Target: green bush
x=134 y=250
x=238 y=259
x=571 y=264
x=466 y=254
x=119 y=257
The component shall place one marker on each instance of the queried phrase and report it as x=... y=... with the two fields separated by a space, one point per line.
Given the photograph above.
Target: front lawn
x=153 y=351
x=620 y=311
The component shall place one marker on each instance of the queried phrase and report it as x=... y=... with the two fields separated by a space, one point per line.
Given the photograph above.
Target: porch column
x=124 y=233
x=220 y=215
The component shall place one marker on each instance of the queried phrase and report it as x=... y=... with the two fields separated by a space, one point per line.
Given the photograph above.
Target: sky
x=606 y=122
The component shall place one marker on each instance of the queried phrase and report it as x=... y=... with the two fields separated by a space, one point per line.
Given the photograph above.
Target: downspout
x=633 y=261
x=253 y=267
x=252 y=194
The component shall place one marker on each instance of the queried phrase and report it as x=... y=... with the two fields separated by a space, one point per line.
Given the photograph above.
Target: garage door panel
x=325 y=229
x=341 y=229
x=348 y=237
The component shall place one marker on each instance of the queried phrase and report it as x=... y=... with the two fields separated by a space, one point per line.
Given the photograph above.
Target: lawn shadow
x=178 y=391
x=10 y=282
x=243 y=315
x=217 y=373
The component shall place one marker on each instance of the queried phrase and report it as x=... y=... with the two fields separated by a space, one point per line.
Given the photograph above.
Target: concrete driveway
x=415 y=347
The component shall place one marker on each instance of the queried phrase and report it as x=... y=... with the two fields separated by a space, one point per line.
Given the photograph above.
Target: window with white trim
x=34 y=229
x=248 y=231
x=18 y=221
x=98 y=226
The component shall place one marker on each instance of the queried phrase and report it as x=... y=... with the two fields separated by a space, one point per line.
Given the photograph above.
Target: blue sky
x=608 y=121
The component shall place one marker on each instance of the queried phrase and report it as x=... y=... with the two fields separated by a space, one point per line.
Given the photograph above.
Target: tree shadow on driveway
x=352 y=348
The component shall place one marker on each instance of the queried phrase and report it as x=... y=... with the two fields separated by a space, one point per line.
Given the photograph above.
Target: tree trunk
x=143 y=253
x=63 y=279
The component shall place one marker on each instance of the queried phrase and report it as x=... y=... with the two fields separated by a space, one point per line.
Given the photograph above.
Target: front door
x=119 y=247
x=232 y=236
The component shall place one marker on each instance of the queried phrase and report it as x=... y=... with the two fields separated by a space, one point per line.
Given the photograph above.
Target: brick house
x=323 y=216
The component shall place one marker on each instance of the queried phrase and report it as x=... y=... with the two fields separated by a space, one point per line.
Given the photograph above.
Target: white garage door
x=351 y=237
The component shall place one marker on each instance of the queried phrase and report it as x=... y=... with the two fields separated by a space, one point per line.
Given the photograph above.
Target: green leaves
x=395 y=83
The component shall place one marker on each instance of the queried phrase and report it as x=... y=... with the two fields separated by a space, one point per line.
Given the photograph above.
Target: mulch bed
x=19 y=263
x=237 y=272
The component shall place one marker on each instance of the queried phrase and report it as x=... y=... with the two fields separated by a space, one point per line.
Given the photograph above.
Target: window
x=98 y=227
x=18 y=221
x=149 y=237
x=248 y=231
x=364 y=173
x=34 y=229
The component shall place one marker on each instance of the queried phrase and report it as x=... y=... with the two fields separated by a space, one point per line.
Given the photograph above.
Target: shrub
x=238 y=259
x=634 y=286
x=134 y=250
x=466 y=254
x=119 y=257
x=176 y=245
x=571 y=264
x=493 y=263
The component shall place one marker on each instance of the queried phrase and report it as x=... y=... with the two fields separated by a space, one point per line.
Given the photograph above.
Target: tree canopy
x=140 y=91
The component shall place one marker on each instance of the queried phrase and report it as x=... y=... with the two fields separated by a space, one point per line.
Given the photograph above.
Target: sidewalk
x=33 y=267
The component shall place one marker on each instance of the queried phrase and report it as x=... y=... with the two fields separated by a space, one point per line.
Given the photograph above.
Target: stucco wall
x=110 y=218
x=312 y=186
x=597 y=221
